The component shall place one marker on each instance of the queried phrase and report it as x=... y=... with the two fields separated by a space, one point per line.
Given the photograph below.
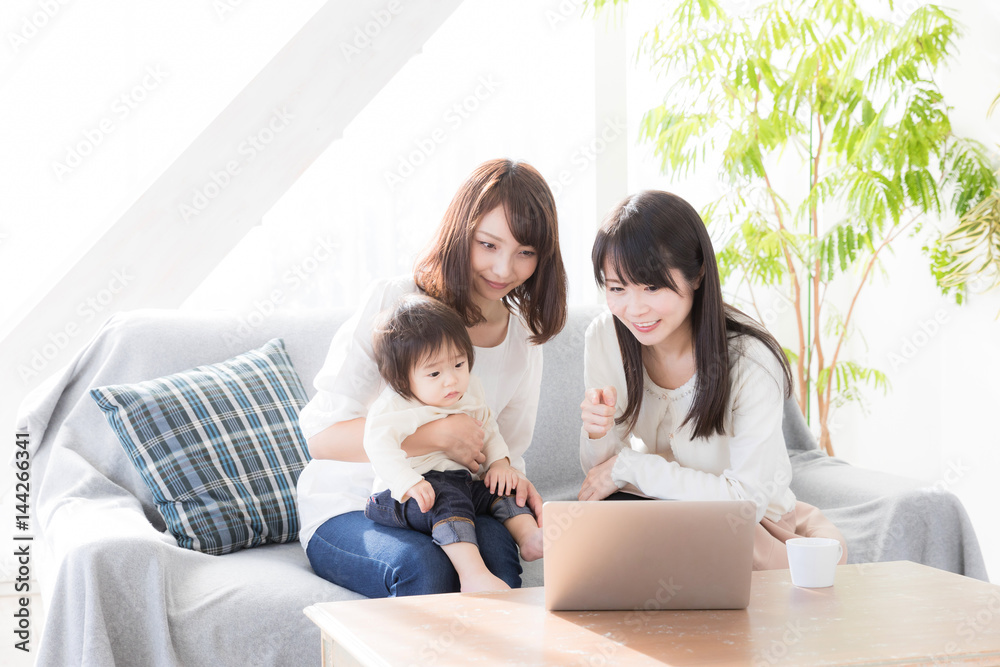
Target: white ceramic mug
x=813 y=560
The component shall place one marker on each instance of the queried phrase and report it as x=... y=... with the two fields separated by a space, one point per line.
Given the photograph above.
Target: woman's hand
x=598 y=411
x=423 y=493
x=526 y=494
x=459 y=436
x=598 y=484
x=524 y=491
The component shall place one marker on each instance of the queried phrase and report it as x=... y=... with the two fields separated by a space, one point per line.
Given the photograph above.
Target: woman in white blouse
x=685 y=393
x=495 y=259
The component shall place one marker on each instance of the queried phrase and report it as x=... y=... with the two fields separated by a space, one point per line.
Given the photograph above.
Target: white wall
x=522 y=89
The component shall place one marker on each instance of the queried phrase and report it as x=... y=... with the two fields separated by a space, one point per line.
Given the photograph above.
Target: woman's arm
x=605 y=397
x=758 y=470
x=341 y=441
x=459 y=436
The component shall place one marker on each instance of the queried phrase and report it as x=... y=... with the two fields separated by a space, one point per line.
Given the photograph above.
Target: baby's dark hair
x=415 y=328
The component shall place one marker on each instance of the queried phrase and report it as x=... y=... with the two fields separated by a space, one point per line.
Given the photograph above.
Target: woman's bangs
x=635 y=260
x=528 y=225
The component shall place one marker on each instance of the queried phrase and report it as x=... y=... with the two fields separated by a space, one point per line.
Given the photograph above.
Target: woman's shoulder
x=753 y=362
x=601 y=332
x=602 y=355
x=604 y=322
x=519 y=335
x=386 y=291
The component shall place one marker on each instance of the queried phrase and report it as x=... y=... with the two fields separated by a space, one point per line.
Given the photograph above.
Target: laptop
x=648 y=554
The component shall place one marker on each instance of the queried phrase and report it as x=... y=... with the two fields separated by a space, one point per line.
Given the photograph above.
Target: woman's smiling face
x=653 y=314
x=499 y=262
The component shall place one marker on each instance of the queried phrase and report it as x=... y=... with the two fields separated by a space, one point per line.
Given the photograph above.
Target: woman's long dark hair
x=643 y=238
x=445 y=270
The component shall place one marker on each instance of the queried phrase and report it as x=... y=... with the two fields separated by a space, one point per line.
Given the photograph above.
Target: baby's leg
x=518 y=520
x=527 y=534
x=472 y=571
x=454 y=530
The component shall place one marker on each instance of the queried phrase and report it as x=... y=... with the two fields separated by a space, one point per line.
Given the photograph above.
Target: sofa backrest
x=145 y=344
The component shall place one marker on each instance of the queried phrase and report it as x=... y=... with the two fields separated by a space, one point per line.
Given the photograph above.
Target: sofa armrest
x=82 y=523
x=887 y=517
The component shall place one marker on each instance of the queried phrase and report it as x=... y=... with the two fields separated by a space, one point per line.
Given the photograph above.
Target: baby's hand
x=423 y=493
x=501 y=478
x=598 y=411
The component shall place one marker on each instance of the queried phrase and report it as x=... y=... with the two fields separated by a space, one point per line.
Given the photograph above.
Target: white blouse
x=662 y=460
x=349 y=382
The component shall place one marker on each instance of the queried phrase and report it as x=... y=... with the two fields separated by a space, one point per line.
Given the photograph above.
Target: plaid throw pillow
x=218 y=446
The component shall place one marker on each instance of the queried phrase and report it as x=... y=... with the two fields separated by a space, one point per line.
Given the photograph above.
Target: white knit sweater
x=661 y=460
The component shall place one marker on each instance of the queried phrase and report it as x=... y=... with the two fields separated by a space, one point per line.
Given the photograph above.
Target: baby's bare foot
x=531 y=548
x=482 y=582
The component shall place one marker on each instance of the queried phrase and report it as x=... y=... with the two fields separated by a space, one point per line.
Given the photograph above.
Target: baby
x=424 y=354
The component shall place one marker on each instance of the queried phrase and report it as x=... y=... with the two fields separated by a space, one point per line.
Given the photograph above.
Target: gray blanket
x=117 y=588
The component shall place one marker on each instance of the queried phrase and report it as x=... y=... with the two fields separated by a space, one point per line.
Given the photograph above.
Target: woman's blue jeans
x=381 y=561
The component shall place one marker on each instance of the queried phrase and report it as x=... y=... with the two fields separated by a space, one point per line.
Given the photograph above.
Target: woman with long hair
x=495 y=260
x=685 y=392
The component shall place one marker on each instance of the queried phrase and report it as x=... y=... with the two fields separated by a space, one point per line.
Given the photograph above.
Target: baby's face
x=440 y=379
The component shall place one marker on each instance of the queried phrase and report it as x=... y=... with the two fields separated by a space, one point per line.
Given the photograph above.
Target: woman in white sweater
x=495 y=260
x=685 y=393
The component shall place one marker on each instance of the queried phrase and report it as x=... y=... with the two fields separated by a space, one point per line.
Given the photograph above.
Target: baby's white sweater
x=393 y=418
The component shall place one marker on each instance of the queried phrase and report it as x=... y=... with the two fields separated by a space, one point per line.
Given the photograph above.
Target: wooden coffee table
x=897 y=613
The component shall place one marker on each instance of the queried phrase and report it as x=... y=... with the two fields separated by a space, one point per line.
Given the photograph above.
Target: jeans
x=379 y=561
x=458 y=499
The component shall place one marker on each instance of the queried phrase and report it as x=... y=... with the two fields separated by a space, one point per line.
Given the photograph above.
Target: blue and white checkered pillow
x=218 y=446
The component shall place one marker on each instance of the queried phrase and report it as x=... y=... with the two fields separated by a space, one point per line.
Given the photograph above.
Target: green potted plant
x=969 y=254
